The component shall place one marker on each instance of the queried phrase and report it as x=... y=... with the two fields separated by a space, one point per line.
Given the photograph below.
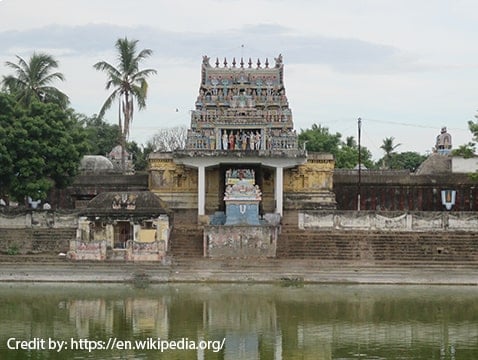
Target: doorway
x=123 y=231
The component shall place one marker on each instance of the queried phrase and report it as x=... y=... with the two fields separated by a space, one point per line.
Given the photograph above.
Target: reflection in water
x=256 y=321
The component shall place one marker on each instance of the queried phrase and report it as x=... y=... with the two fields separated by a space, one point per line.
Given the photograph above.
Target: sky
x=406 y=68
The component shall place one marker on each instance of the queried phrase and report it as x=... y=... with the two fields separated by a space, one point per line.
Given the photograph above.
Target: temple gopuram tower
x=242 y=123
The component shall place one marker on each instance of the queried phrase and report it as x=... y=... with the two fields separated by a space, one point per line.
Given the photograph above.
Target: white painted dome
x=95 y=164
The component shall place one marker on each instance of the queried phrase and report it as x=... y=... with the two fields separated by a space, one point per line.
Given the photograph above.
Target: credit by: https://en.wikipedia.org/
x=113 y=343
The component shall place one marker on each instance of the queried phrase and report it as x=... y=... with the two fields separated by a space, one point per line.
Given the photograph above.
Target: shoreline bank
x=242 y=271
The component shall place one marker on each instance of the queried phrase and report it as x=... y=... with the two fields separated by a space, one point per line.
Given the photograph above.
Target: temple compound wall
x=390 y=190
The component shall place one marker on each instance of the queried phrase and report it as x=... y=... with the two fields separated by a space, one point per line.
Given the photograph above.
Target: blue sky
x=406 y=67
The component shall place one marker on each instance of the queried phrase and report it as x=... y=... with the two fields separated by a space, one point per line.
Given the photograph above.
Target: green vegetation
x=32 y=80
x=128 y=83
x=388 y=147
x=41 y=146
x=13 y=249
x=42 y=139
x=319 y=139
x=408 y=160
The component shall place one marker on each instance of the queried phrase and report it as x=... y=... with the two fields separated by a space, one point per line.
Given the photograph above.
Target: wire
x=410 y=125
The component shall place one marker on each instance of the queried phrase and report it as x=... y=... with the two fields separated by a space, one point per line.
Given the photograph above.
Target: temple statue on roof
x=443 y=142
x=242 y=120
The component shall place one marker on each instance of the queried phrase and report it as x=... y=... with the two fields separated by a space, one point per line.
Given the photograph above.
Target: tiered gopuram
x=242 y=121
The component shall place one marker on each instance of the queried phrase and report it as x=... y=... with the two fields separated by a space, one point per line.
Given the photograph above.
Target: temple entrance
x=123 y=231
x=226 y=168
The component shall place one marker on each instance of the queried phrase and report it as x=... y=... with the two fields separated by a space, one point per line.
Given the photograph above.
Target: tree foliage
x=408 y=160
x=388 y=147
x=33 y=80
x=102 y=137
x=473 y=126
x=140 y=155
x=41 y=147
x=319 y=139
x=128 y=83
x=466 y=150
x=347 y=156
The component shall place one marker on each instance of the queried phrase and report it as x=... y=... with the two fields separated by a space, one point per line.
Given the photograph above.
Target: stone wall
x=388 y=221
x=400 y=190
x=36 y=231
x=240 y=241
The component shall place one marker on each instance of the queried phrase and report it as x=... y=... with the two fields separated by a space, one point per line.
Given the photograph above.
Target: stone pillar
x=279 y=189
x=201 y=190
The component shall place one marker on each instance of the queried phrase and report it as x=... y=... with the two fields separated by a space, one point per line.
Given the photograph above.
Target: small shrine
x=242 y=198
x=122 y=226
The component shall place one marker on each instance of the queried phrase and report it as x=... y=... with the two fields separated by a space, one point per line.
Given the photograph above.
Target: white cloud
x=392 y=62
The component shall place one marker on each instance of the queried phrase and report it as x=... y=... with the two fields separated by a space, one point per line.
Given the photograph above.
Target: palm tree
x=389 y=148
x=33 y=78
x=128 y=83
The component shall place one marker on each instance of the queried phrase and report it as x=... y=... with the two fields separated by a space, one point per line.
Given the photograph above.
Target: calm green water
x=248 y=321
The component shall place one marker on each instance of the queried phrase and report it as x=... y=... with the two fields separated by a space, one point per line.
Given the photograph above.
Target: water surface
x=247 y=321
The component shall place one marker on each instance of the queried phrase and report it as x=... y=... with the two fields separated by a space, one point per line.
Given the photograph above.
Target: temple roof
x=258 y=74
x=435 y=164
x=126 y=202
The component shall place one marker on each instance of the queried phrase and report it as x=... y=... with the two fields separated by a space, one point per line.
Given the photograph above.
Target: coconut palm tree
x=128 y=83
x=33 y=78
x=388 y=147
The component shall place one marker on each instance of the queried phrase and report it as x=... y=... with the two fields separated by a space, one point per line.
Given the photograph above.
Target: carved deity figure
x=231 y=140
x=252 y=140
x=443 y=141
x=258 y=140
x=225 y=140
x=243 y=141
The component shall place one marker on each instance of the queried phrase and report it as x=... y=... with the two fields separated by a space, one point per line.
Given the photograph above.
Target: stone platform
x=282 y=272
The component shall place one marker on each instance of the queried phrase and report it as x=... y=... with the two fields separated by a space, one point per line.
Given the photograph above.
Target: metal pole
x=359 y=163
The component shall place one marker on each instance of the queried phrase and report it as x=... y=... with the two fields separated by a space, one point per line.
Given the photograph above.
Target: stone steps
x=186 y=241
x=381 y=246
x=36 y=240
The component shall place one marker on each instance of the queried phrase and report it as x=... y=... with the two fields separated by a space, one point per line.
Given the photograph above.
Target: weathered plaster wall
x=38 y=219
x=461 y=165
x=388 y=221
x=240 y=241
x=134 y=251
